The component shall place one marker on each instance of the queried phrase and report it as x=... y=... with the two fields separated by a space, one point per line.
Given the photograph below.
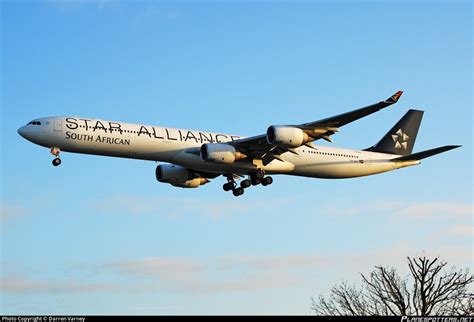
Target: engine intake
x=170 y=173
x=220 y=153
x=287 y=136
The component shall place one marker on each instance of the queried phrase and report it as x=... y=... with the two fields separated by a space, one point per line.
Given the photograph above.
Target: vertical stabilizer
x=401 y=138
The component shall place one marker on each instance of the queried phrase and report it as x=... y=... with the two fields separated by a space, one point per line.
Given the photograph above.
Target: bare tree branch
x=434 y=290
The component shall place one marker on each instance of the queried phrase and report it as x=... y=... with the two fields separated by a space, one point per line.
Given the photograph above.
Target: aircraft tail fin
x=425 y=154
x=401 y=137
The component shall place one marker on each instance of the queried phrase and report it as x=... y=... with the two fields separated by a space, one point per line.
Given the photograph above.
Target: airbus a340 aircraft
x=194 y=157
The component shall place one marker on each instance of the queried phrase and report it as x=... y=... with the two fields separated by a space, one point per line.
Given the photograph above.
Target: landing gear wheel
x=238 y=191
x=56 y=162
x=245 y=183
x=255 y=181
x=228 y=186
x=266 y=181
x=259 y=174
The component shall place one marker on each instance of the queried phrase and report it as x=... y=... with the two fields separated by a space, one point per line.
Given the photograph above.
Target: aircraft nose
x=21 y=131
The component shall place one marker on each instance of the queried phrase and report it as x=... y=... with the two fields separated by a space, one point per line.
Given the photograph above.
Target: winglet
x=394 y=98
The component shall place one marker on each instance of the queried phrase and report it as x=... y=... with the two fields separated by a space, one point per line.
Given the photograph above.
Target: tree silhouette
x=429 y=289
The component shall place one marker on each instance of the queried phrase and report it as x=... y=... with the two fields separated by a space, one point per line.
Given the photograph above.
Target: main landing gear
x=256 y=178
x=55 y=152
x=232 y=185
x=259 y=178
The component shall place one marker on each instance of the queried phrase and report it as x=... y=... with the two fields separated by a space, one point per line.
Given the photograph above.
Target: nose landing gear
x=55 y=151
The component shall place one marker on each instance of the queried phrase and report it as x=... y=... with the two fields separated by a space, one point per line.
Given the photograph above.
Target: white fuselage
x=178 y=146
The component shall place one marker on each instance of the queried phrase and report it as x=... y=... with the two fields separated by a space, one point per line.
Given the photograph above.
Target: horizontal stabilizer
x=425 y=154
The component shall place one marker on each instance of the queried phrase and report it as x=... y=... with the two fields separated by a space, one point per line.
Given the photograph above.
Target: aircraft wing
x=257 y=146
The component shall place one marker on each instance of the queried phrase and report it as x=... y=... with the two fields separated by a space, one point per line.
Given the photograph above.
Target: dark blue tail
x=401 y=138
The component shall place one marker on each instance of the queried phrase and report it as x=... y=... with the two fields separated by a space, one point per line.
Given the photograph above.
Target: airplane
x=192 y=158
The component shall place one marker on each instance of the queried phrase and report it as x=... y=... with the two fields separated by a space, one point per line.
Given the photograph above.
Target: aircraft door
x=58 y=125
x=364 y=158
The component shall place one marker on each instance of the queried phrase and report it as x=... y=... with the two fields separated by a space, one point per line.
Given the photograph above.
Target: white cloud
x=251 y=273
x=157 y=267
x=288 y=262
x=306 y=272
x=20 y=284
x=212 y=275
x=435 y=210
x=175 y=207
x=403 y=210
x=463 y=230
x=9 y=212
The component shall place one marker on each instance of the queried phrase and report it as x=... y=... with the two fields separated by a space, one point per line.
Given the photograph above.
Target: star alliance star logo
x=400 y=139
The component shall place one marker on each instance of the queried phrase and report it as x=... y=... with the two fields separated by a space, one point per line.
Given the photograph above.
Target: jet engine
x=178 y=176
x=220 y=153
x=192 y=183
x=287 y=136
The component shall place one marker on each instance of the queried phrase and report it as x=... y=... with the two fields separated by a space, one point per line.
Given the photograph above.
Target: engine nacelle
x=286 y=136
x=174 y=174
x=178 y=176
x=220 y=153
x=192 y=183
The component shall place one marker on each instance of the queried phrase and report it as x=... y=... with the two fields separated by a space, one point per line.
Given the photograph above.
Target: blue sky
x=99 y=235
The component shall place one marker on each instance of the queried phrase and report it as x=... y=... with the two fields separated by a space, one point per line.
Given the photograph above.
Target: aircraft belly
x=340 y=170
x=193 y=161
x=244 y=166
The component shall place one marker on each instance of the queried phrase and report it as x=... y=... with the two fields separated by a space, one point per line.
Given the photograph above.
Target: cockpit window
x=35 y=123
